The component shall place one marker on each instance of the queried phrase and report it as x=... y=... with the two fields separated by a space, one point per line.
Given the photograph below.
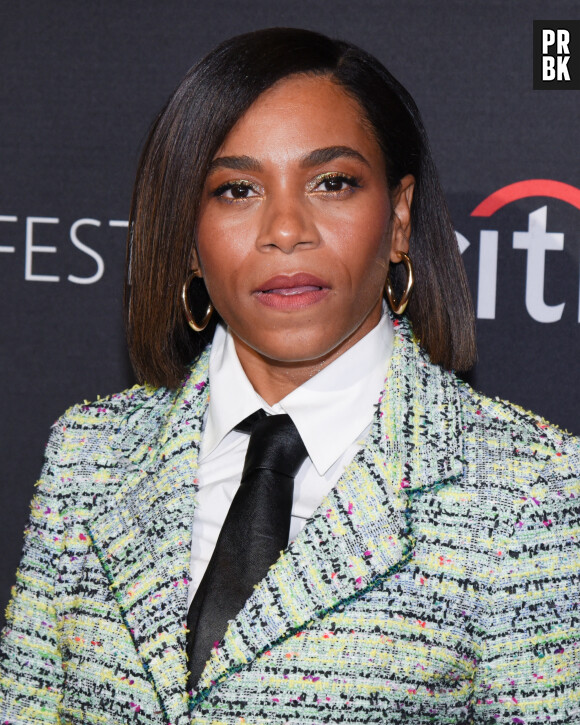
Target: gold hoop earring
x=401 y=306
x=188 y=314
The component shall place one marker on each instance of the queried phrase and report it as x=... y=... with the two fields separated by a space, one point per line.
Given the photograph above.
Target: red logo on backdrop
x=536 y=241
x=524 y=190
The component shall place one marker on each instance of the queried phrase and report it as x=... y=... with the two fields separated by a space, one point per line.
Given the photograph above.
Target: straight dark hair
x=173 y=167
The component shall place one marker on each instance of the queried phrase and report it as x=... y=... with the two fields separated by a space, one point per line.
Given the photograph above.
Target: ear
x=401 y=226
x=194 y=264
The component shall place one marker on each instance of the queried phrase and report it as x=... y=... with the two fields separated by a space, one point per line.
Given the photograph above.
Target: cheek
x=222 y=248
x=362 y=245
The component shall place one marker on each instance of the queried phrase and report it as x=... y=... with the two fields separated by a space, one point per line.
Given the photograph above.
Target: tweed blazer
x=438 y=582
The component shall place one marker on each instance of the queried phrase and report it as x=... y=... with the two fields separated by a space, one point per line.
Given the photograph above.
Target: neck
x=275 y=379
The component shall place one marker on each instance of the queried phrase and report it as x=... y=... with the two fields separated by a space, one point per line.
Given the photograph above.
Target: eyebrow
x=314 y=158
x=330 y=153
x=236 y=163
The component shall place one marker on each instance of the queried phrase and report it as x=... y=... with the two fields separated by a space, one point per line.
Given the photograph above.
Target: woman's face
x=297 y=225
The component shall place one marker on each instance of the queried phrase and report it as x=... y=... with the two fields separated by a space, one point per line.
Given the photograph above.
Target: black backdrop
x=81 y=83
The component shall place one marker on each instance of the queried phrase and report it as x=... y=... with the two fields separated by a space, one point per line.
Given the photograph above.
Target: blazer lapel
x=362 y=531
x=142 y=531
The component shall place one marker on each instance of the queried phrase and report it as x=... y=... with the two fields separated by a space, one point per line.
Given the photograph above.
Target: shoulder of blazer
x=125 y=422
x=116 y=412
x=521 y=456
x=529 y=432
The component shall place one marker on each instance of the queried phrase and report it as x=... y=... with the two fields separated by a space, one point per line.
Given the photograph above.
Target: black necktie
x=255 y=530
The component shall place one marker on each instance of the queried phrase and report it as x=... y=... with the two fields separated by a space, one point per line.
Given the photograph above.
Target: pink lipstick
x=292 y=292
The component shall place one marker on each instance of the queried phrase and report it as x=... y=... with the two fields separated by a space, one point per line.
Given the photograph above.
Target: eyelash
x=241 y=184
x=352 y=182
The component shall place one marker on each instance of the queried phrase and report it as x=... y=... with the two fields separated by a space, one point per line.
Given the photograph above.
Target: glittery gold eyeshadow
x=231 y=185
x=352 y=181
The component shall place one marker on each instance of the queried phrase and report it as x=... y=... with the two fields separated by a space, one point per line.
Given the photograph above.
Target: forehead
x=298 y=114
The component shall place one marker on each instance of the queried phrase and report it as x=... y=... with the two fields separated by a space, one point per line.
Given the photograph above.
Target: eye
x=235 y=191
x=334 y=183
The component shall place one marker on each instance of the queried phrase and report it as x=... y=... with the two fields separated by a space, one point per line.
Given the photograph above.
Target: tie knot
x=275 y=444
x=247 y=425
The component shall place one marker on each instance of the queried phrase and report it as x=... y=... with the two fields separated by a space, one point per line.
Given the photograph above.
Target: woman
x=431 y=572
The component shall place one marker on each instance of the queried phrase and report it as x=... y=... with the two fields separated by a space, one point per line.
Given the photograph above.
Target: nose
x=287 y=224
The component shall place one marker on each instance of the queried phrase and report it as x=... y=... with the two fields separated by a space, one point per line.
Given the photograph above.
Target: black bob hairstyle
x=172 y=170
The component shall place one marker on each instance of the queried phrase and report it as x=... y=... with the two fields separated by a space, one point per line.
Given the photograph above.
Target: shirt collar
x=330 y=410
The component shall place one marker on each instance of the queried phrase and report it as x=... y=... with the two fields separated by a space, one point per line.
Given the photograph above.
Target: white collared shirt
x=332 y=411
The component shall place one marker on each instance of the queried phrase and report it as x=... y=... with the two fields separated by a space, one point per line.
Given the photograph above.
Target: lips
x=294 y=291
x=292 y=281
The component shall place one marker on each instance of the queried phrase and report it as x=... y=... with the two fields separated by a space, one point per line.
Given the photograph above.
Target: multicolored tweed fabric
x=438 y=582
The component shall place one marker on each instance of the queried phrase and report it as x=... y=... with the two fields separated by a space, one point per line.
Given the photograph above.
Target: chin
x=296 y=348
